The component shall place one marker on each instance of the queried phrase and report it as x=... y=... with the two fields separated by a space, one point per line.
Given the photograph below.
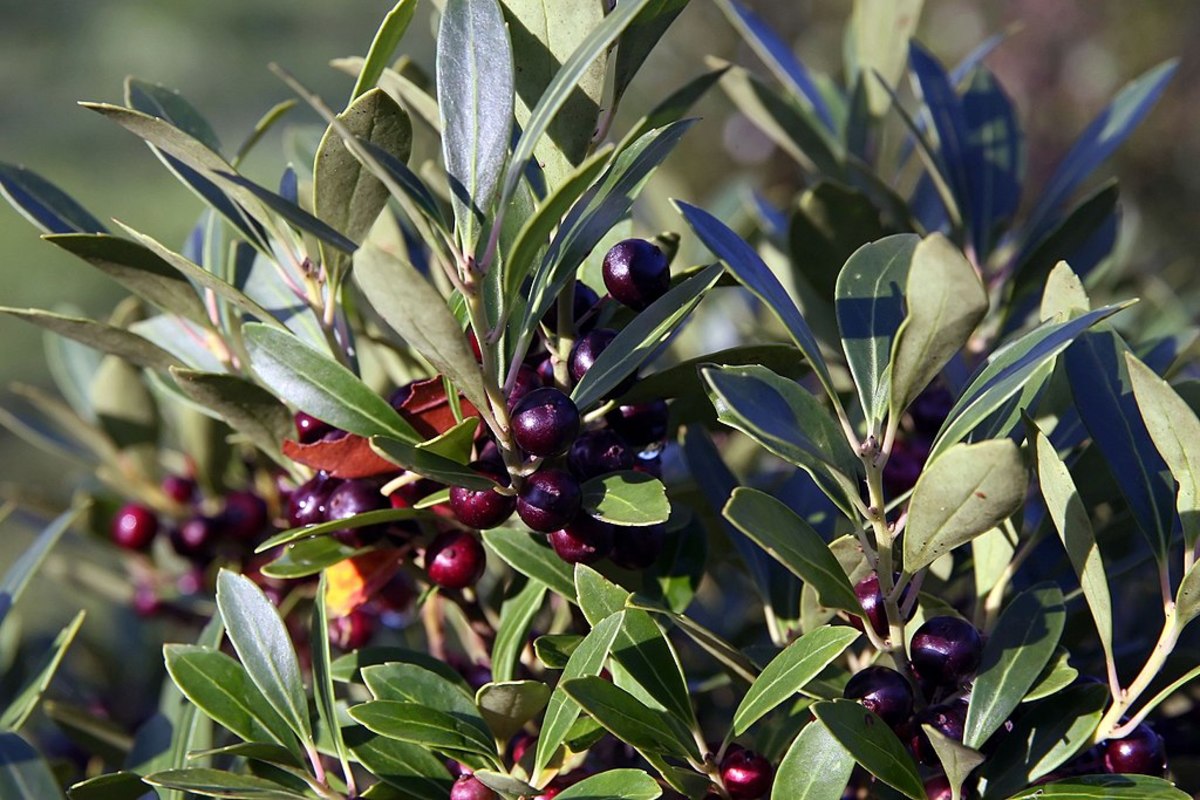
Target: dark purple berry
x=454 y=560
x=946 y=650
x=396 y=595
x=545 y=371
x=640 y=424
x=309 y=429
x=244 y=515
x=637 y=547
x=584 y=541
x=307 y=504
x=527 y=380
x=587 y=349
x=468 y=787
x=134 y=527
x=482 y=508
x=351 y=632
x=350 y=499
x=904 y=465
x=874 y=608
x=746 y=774
x=549 y=500
x=948 y=719
x=883 y=691
x=545 y=422
x=938 y=788
x=930 y=410
x=180 y=489
x=145 y=601
x=598 y=453
x=636 y=273
x=196 y=537
x=584 y=301
x=1139 y=753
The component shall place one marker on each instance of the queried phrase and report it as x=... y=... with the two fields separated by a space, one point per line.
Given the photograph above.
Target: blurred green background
x=1063 y=61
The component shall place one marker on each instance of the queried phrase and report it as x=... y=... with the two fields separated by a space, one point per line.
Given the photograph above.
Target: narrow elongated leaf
x=475 y=100
x=790 y=671
x=23 y=772
x=1187 y=599
x=413 y=683
x=218 y=783
x=246 y=407
x=417 y=724
x=674 y=106
x=993 y=156
x=639 y=340
x=640 y=39
x=348 y=668
x=26 y=699
x=738 y=666
x=945 y=300
x=969 y=490
x=815 y=767
x=106 y=338
x=882 y=30
x=322 y=676
x=261 y=641
x=792 y=542
x=111 y=786
x=43 y=203
x=293 y=213
x=365 y=519
x=631 y=721
x=626 y=498
x=412 y=770
x=561 y=712
x=408 y=182
x=942 y=107
x=1108 y=787
x=318 y=385
x=750 y=270
x=429 y=464
x=870 y=304
x=387 y=38
x=416 y=311
x=17 y=576
x=516 y=618
x=170 y=105
x=614 y=784
x=529 y=554
x=1071 y=521
x=872 y=743
x=1057 y=675
x=310 y=556
x=1019 y=648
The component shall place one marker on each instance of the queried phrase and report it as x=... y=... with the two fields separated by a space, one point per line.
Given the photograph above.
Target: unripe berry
x=549 y=500
x=545 y=422
x=454 y=560
x=946 y=650
x=468 y=787
x=1139 y=753
x=746 y=774
x=584 y=541
x=482 y=508
x=134 y=527
x=640 y=424
x=883 y=691
x=636 y=273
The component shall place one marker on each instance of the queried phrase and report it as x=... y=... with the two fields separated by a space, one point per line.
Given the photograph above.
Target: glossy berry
x=244 y=515
x=468 y=787
x=352 y=631
x=134 y=527
x=938 y=788
x=307 y=505
x=948 y=719
x=874 y=608
x=640 y=424
x=549 y=500
x=309 y=429
x=545 y=422
x=946 y=650
x=884 y=691
x=196 y=537
x=527 y=380
x=585 y=300
x=1139 y=753
x=482 y=508
x=180 y=489
x=637 y=547
x=454 y=560
x=350 y=499
x=597 y=453
x=586 y=350
x=584 y=541
x=746 y=774
x=636 y=273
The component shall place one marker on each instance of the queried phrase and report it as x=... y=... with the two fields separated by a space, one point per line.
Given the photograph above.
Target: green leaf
x=1057 y=675
x=387 y=38
x=347 y=668
x=815 y=767
x=614 y=784
x=504 y=785
x=966 y=492
x=737 y=665
x=945 y=301
x=516 y=618
x=318 y=385
x=322 y=675
x=1174 y=428
x=475 y=101
x=1064 y=294
x=429 y=464
x=529 y=554
x=674 y=106
x=828 y=224
x=417 y=311
x=870 y=301
x=414 y=771
x=17 y=576
x=790 y=671
x=1187 y=600
x=1018 y=650
x=261 y=641
x=626 y=498
x=508 y=705
x=217 y=783
x=428 y=727
x=630 y=720
x=639 y=41
x=561 y=712
x=170 y=105
x=247 y=408
x=346 y=195
x=639 y=340
x=23 y=772
x=99 y=336
x=555 y=649
x=43 y=203
x=957 y=759
x=880 y=31
x=294 y=214
x=872 y=743
x=412 y=683
x=790 y=422
x=682 y=381
x=26 y=699
x=366 y=519
x=265 y=123
x=1066 y=510
x=1104 y=787
x=111 y=786
x=791 y=541
x=137 y=269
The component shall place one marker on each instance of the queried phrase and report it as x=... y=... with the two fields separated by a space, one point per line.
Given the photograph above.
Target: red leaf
x=348 y=457
x=427 y=408
x=351 y=583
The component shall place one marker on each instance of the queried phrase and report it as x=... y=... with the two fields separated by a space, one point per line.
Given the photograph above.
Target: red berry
x=746 y=774
x=473 y=341
x=352 y=631
x=946 y=650
x=637 y=547
x=195 y=538
x=549 y=500
x=308 y=502
x=134 y=527
x=871 y=597
x=545 y=422
x=350 y=499
x=938 y=788
x=640 y=424
x=455 y=559
x=636 y=273
x=309 y=429
x=145 y=601
x=598 y=453
x=468 y=787
x=883 y=691
x=180 y=489
x=584 y=541
x=482 y=508
x=519 y=746
x=1139 y=753
x=244 y=515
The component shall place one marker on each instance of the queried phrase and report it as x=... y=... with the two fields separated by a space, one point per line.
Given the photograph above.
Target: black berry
x=352 y=631
x=598 y=453
x=454 y=560
x=746 y=774
x=307 y=505
x=584 y=541
x=527 y=380
x=134 y=527
x=637 y=547
x=874 y=608
x=930 y=410
x=396 y=595
x=636 y=273
x=244 y=515
x=948 y=719
x=585 y=300
x=640 y=424
x=545 y=422
x=549 y=500
x=883 y=691
x=468 y=787
x=1139 y=753
x=904 y=465
x=587 y=349
x=482 y=508
x=351 y=498
x=309 y=429
x=946 y=650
